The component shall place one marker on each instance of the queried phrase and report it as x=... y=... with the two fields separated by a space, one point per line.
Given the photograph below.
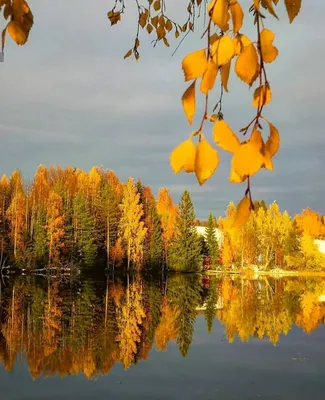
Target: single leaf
x=128 y=54
x=269 y=52
x=169 y=25
x=156 y=5
x=17 y=32
x=166 y=42
x=114 y=17
x=154 y=21
x=237 y=16
x=243 y=212
x=262 y=96
x=209 y=77
x=149 y=28
x=206 y=161
x=240 y=42
x=189 y=102
x=161 y=32
x=194 y=64
x=224 y=137
x=247 y=65
x=223 y=50
x=293 y=8
x=225 y=71
x=220 y=13
x=183 y=157
x=3 y=38
x=272 y=144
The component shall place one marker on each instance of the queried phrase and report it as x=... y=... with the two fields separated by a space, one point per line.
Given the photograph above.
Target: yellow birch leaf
x=269 y=52
x=225 y=71
x=183 y=157
x=3 y=38
x=237 y=16
x=194 y=64
x=248 y=159
x=220 y=13
x=149 y=28
x=247 y=65
x=273 y=142
x=224 y=137
x=243 y=212
x=293 y=8
x=209 y=77
x=223 y=50
x=240 y=42
x=189 y=102
x=169 y=25
x=17 y=32
x=156 y=5
x=128 y=54
x=262 y=96
x=206 y=161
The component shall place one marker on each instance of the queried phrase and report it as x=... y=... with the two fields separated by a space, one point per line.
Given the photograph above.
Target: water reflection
x=87 y=326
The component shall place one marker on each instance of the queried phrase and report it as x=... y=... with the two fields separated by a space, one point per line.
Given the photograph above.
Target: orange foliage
x=310 y=222
x=168 y=214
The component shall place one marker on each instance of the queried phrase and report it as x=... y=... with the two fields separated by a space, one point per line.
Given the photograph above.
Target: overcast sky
x=68 y=97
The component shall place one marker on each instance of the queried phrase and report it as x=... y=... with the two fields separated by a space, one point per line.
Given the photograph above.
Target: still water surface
x=186 y=337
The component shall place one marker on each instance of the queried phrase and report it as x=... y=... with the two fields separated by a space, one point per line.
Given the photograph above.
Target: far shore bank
x=273 y=273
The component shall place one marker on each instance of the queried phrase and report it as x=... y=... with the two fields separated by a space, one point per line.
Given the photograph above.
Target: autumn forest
x=67 y=218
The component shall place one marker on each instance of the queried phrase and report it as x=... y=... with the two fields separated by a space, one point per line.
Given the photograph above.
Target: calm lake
x=184 y=337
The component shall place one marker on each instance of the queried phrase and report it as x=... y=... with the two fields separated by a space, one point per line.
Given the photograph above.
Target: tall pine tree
x=185 y=252
x=211 y=240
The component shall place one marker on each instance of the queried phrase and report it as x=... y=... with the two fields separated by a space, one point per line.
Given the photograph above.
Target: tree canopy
x=225 y=48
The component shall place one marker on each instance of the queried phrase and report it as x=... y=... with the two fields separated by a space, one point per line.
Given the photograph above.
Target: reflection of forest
x=71 y=328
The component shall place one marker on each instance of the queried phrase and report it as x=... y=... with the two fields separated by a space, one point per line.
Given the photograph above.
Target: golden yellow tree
x=55 y=225
x=131 y=228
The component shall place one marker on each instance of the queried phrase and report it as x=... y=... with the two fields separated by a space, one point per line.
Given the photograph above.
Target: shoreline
x=266 y=273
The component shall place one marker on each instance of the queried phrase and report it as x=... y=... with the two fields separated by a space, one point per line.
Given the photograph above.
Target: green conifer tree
x=185 y=252
x=84 y=230
x=212 y=241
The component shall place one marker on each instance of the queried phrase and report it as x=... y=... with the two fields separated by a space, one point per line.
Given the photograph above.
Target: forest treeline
x=67 y=216
x=87 y=326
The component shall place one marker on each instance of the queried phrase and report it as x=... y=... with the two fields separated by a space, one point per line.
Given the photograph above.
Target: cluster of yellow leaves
x=202 y=159
x=205 y=64
x=21 y=20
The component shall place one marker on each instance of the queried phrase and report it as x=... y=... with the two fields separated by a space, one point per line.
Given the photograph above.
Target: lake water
x=185 y=337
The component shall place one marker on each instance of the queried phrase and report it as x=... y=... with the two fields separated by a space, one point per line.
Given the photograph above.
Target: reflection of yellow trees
x=130 y=318
x=88 y=331
x=167 y=328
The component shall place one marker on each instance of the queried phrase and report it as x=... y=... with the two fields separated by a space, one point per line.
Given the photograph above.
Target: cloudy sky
x=68 y=97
